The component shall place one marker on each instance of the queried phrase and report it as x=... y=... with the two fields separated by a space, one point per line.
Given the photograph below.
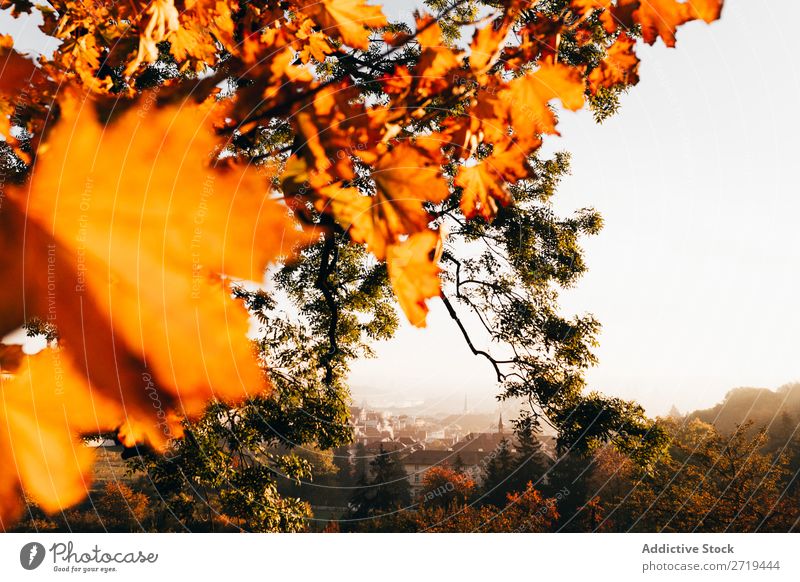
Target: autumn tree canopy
x=166 y=153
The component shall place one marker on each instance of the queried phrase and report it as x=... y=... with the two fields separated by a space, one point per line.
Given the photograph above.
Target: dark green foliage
x=385 y=490
x=497 y=482
x=530 y=463
x=570 y=474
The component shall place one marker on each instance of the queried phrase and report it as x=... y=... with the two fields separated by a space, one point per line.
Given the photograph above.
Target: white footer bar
x=406 y=557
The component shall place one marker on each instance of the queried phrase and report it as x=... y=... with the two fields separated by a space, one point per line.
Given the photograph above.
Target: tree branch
x=451 y=310
x=327 y=265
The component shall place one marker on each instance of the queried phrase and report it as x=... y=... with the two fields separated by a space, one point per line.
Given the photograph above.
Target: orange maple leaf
x=485 y=183
x=706 y=10
x=482 y=191
x=44 y=405
x=347 y=19
x=406 y=177
x=659 y=18
x=487 y=42
x=414 y=273
x=662 y=18
x=528 y=97
x=619 y=67
x=432 y=70
x=124 y=239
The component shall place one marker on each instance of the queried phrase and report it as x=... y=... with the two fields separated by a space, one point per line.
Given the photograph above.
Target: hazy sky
x=695 y=276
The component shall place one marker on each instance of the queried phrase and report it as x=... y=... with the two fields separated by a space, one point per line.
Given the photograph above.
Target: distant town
x=466 y=441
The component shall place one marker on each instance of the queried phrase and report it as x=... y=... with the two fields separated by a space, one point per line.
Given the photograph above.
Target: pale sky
x=696 y=275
